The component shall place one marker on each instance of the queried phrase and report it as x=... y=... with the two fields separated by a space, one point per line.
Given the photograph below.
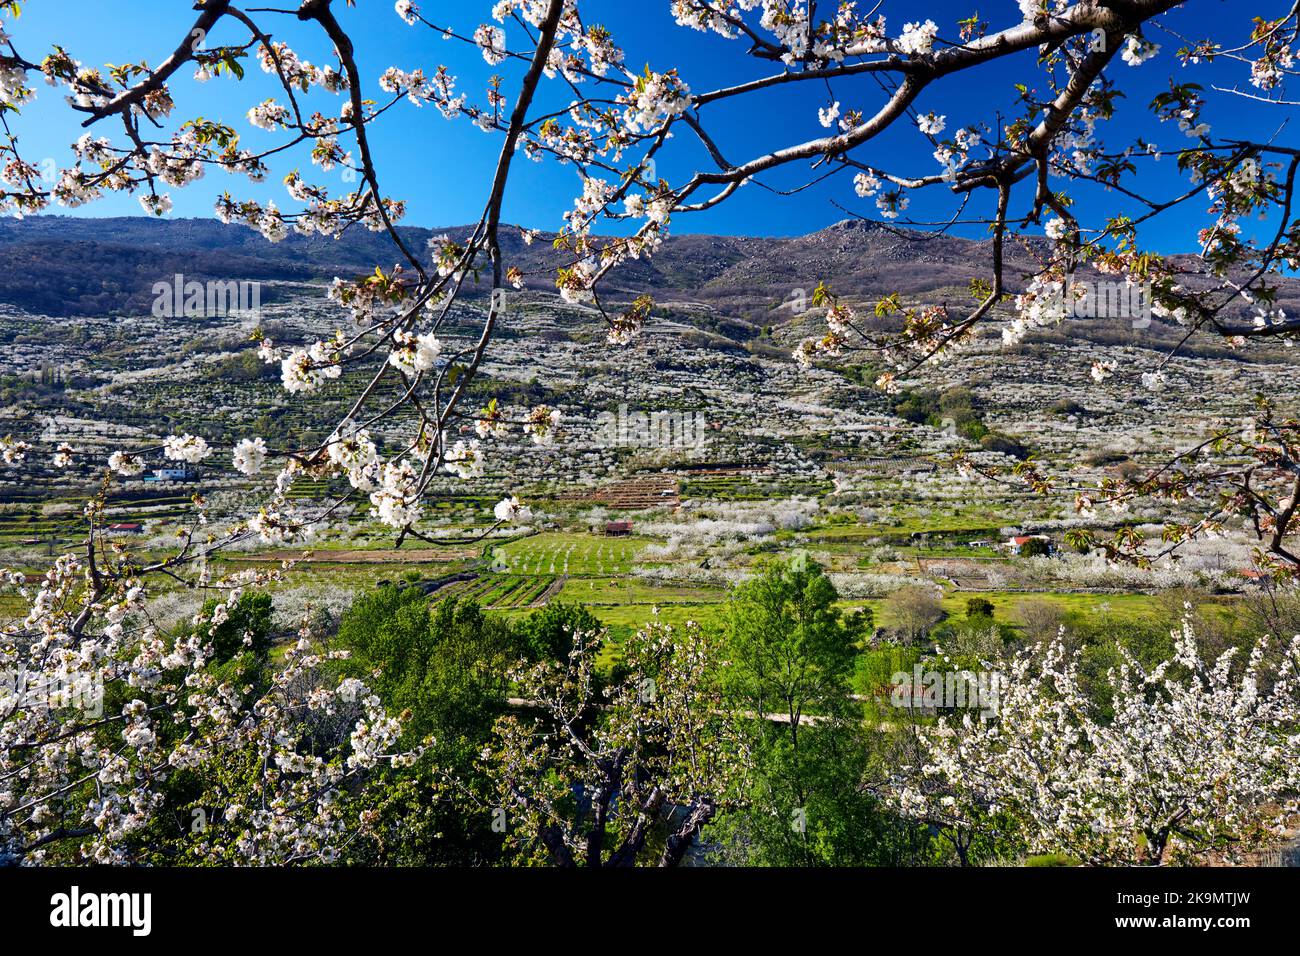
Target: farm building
x=1255 y=578
x=1017 y=544
x=618 y=529
x=126 y=527
x=172 y=474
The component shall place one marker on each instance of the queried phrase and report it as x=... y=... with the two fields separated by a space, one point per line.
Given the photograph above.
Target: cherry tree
x=88 y=621
x=591 y=779
x=1190 y=756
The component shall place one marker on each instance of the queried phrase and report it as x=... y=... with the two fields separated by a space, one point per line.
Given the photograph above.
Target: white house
x=1017 y=543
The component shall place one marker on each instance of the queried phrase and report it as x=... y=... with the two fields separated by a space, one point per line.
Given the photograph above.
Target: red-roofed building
x=1017 y=544
x=1257 y=578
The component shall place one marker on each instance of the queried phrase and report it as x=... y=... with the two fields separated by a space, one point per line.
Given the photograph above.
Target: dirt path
x=556 y=586
x=805 y=720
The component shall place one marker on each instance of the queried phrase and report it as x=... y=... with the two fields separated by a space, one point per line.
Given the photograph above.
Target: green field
x=1127 y=607
x=571 y=553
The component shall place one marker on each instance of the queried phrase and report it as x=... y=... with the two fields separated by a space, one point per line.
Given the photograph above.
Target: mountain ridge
x=67 y=266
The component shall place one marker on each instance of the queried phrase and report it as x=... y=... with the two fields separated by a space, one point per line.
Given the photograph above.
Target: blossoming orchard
x=215 y=742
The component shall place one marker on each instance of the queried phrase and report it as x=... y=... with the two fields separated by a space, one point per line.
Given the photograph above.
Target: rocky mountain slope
x=66 y=266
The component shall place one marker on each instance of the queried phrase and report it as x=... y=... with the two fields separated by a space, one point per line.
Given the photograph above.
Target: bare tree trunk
x=680 y=840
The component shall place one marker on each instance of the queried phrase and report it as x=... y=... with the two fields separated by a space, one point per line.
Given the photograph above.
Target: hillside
x=65 y=266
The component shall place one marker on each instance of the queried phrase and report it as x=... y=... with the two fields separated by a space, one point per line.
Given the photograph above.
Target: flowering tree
x=88 y=618
x=588 y=777
x=123 y=746
x=1193 y=757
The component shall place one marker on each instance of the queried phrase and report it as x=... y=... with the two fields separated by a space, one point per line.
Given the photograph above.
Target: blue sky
x=442 y=167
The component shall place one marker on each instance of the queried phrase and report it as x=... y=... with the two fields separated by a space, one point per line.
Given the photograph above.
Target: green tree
x=1035 y=548
x=446 y=665
x=445 y=662
x=547 y=634
x=245 y=627
x=788 y=647
x=789 y=656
